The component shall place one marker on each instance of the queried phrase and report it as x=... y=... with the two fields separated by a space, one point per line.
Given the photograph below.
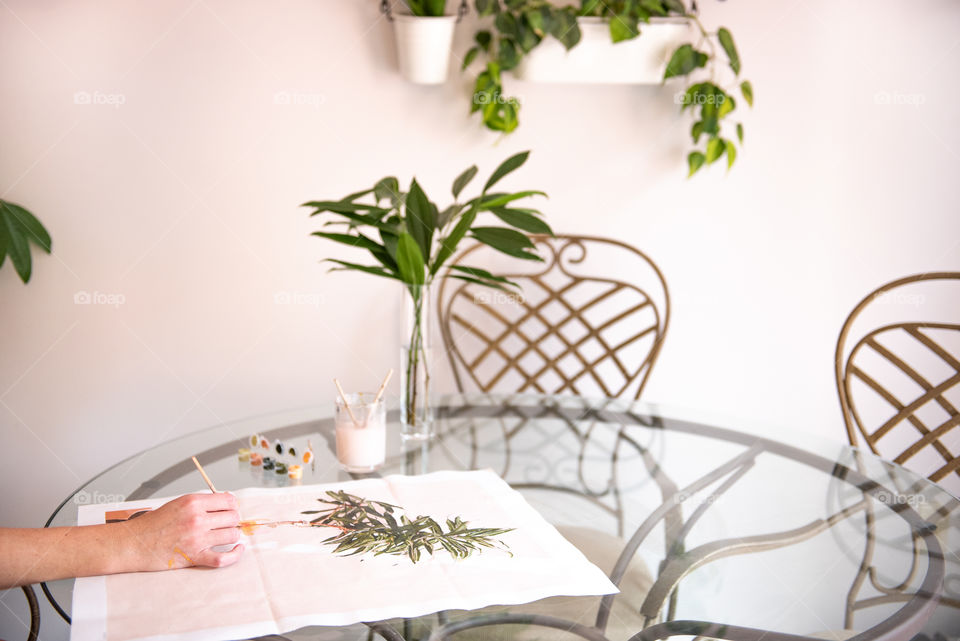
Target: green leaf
x=478 y=281
x=539 y=19
x=483 y=39
x=342 y=207
x=696 y=131
x=501 y=114
x=387 y=189
x=421 y=220
x=684 y=60
x=463 y=180
x=476 y=272
x=357 y=194
x=740 y=132
x=435 y=8
x=508 y=57
x=4 y=240
x=416 y=7
x=522 y=220
x=507 y=241
x=655 y=7
x=349 y=239
x=376 y=271
x=695 y=161
x=623 y=27
x=675 y=6
x=444 y=218
x=363 y=219
x=390 y=244
x=379 y=251
x=726 y=106
x=486 y=7
x=490 y=201
x=487 y=87
x=510 y=164
x=506 y=24
x=731 y=153
x=527 y=37
x=726 y=41
x=715 y=149
x=565 y=27
x=449 y=244
x=469 y=57
x=17 y=245
x=410 y=260
x=591 y=8
x=35 y=231
x=747 y=90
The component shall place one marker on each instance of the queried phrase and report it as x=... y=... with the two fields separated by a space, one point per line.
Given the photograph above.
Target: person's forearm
x=33 y=555
x=190 y=530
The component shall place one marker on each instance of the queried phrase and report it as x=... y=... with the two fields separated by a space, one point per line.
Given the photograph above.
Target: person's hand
x=183 y=532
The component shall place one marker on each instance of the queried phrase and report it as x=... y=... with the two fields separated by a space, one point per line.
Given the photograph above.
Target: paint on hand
x=181 y=553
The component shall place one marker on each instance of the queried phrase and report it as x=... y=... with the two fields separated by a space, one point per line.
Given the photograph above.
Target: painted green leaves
x=411 y=239
x=18 y=230
x=376 y=527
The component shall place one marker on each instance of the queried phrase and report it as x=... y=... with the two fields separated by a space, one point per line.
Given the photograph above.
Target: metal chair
x=912 y=373
x=903 y=368
x=565 y=331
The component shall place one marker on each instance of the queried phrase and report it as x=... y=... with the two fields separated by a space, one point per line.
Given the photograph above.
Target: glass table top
x=697 y=524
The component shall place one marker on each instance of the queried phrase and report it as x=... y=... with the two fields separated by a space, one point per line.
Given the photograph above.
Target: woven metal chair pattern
x=912 y=374
x=567 y=332
x=905 y=368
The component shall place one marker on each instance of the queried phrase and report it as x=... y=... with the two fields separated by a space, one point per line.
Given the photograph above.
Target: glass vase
x=416 y=414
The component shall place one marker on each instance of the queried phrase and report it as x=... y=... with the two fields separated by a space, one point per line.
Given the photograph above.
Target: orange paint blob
x=248 y=527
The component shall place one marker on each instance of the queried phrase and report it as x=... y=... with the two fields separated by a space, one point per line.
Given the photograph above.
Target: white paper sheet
x=288 y=579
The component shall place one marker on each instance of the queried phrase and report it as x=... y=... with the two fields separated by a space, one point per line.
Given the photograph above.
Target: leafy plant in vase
x=520 y=26
x=411 y=240
x=424 y=38
x=18 y=229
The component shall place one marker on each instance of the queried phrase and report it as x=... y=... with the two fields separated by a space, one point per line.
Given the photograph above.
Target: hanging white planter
x=598 y=60
x=423 y=47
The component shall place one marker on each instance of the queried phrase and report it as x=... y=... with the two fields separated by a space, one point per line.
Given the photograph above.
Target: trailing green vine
x=519 y=26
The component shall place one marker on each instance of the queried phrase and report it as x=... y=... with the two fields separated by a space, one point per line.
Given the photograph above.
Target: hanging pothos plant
x=521 y=25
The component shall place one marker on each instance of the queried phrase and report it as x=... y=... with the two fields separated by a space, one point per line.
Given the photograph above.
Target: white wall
x=183 y=200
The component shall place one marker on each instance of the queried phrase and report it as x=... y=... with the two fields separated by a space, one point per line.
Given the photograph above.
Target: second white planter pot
x=423 y=47
x=597 y=59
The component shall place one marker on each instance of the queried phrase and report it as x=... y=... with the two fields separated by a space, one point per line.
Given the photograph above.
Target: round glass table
x=709 y=532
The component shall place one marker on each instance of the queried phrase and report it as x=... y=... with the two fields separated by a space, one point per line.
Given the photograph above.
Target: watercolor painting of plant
x=378 y=527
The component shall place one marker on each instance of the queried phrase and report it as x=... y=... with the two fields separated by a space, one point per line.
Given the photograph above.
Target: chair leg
x=34 y=612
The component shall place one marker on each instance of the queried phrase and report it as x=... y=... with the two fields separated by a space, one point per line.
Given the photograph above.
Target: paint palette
x=283 y=459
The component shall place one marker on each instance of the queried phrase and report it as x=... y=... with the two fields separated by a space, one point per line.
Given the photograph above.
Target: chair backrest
x=899 y=384
x=577 y=326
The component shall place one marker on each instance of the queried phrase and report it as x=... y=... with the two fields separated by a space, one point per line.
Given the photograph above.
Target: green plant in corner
x=519 y=26
x=18 y=229
x=411 y=239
